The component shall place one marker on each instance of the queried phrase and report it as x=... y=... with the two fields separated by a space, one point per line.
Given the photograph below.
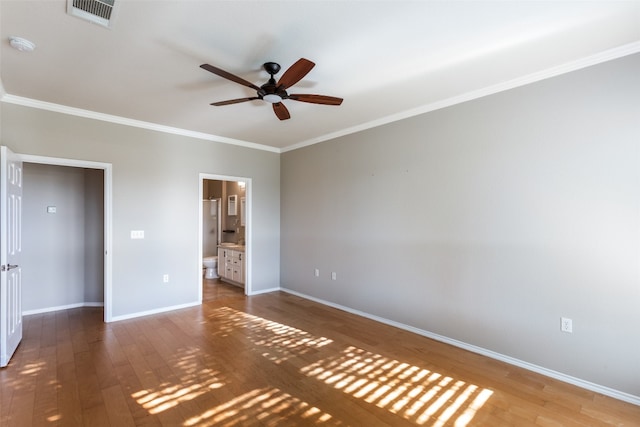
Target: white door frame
x=248 y=228
x=106 y=167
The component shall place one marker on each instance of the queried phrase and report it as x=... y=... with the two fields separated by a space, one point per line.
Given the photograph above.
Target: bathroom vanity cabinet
x=231 y=265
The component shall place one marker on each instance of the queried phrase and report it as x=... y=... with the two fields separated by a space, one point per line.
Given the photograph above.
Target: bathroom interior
x=223 y=228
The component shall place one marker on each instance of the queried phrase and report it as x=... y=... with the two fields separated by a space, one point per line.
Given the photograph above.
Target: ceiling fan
x=273 y=92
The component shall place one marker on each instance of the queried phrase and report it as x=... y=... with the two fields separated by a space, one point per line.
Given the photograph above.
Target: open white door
x=10 y=250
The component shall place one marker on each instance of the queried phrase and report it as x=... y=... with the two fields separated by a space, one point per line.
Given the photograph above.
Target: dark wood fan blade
x=234 y=101
x=317 y=99
x=281 y=111
x=295 y=73
x=228 y=76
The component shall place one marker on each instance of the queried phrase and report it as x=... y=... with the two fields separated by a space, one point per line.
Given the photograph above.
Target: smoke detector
x=97 y=11
x=23 y=45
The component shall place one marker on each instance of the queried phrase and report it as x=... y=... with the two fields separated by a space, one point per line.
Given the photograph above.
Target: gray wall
x=486 y=222
x=94 y=235
x=63 y=251
x=155 y=188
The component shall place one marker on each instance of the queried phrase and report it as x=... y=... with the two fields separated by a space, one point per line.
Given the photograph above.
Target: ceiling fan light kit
x=272 y=92
x=272 y=98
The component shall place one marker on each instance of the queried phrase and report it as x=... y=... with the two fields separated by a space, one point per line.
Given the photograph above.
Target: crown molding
x=605 y=56
x=79 y=112
x=608 y=55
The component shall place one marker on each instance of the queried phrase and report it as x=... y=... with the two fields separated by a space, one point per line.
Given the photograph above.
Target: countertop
x=233 y=247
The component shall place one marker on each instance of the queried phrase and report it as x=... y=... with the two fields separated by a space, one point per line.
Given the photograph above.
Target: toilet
x=211 y=265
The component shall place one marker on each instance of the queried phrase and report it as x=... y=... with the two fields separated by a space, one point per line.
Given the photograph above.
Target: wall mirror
x=232 y=205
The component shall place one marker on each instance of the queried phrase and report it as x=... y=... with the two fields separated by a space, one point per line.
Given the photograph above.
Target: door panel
x=10 y=251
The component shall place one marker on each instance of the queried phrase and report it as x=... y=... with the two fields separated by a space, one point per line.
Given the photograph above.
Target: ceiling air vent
x=96 y=11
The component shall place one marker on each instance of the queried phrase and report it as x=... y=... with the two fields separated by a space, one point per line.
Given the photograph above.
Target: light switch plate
x=137 y=234
x=51 y=209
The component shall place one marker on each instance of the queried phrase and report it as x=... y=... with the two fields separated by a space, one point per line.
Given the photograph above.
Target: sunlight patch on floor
x=268 y=405
x=194 y=381
x=416 y=394
x=172 y=395
x=277 y=342
x=33 y=368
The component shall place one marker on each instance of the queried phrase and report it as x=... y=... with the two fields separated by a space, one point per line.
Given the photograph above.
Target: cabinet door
x=238 y=267
x=221 y=256
x=237 y=274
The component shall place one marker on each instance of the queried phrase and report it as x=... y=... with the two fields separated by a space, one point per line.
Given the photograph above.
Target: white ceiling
x=387 y=59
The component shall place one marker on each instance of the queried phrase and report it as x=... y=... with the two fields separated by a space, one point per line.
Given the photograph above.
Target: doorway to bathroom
x=224 y=235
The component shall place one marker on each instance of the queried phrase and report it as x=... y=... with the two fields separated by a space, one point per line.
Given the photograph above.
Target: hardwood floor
x=271 y=360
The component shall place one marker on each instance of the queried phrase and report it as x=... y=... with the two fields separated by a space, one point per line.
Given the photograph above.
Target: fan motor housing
x=271 y=68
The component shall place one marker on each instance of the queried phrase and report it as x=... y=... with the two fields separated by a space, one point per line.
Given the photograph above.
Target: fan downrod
x=271 y=68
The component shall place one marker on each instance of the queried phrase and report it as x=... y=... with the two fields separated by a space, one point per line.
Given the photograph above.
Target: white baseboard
x=62 y=307
x=264 y=291
x=616 y=394
x=155 y=311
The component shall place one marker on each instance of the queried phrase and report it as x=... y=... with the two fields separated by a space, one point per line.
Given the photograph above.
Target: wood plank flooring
x=271 y=360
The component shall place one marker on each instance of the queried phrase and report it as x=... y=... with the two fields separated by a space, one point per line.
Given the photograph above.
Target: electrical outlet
x=317 y=272
x=566 y=325
x=165 y=278
x=334 y=276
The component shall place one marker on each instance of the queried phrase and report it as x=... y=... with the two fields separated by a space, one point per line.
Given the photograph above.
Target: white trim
x=108 y=242
x=599 y=58
x=200 y=236
x=62 y=307
x=57 y=161
x=265 y=291
x=616 y=394
x=607 y=55
x=154 y=311
x=108 y=215
x=79 y=112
